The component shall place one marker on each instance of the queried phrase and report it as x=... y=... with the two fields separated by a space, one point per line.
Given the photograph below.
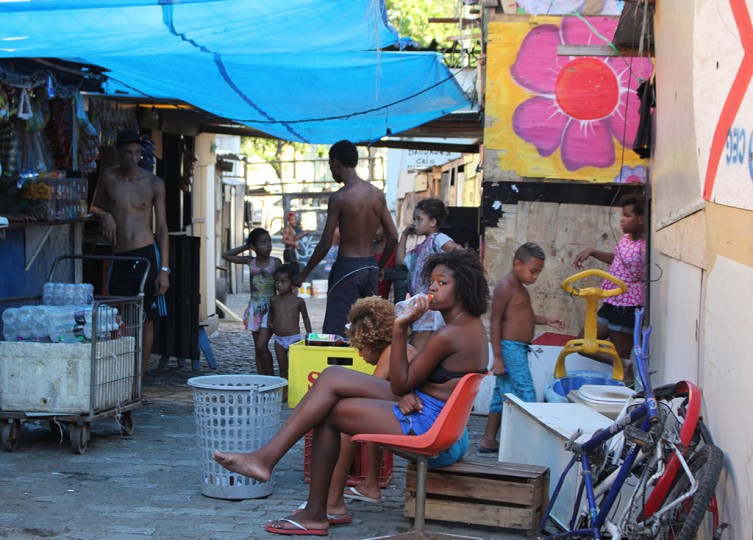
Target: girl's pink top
x=629 y=265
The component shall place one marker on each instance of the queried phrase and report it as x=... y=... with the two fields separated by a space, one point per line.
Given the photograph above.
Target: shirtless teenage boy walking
x=358 y=208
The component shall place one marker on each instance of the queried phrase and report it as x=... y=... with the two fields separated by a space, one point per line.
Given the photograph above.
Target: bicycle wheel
x=682 y=523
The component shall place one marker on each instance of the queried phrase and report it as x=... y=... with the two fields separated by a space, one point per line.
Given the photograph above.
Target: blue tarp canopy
x=301 y=70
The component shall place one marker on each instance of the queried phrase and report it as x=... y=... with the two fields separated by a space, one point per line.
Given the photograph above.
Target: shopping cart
x=74 y=384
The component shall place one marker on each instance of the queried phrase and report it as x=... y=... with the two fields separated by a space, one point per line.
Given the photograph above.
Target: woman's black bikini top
x=442 y=375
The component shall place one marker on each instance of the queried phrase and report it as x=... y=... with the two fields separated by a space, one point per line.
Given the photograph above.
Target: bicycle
x=661 y=447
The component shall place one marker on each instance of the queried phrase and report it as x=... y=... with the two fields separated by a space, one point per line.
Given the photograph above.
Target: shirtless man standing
x=358 y=208
x=123 y=199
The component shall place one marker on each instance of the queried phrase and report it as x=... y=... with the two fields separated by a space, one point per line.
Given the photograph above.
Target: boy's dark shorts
x=125 y=276
x=289 y=255
x=617 y=318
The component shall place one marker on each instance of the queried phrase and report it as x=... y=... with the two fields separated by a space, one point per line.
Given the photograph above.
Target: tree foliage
x=411 y=19
x=272 y=151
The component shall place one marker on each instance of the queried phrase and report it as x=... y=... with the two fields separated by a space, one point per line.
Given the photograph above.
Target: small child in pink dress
x=262 y=271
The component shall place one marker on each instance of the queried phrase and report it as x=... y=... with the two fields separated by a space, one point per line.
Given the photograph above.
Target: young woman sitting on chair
x=346 y=401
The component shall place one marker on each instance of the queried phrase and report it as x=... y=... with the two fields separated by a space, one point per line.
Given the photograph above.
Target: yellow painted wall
x=560 y=117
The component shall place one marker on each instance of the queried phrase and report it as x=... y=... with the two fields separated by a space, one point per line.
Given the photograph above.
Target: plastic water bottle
x=58 y=294
x=88 y=293
x=69 y=294
x=79 y=296
x=82 y=317
x=70 y=324
x=39 y=323
x=101 y=323
x=408 y=304
x=24 y=323
x=10 y=327
x=56 y=317
x=114 y=316
x=47 y=294
x=83 y=294
x=106 y=321
x=65 y=294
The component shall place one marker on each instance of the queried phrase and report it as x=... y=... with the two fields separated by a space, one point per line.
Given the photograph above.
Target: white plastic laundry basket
x=235 y=413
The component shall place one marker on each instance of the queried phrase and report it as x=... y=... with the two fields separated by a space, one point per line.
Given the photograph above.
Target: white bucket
x=319 y=288
x=304 y=291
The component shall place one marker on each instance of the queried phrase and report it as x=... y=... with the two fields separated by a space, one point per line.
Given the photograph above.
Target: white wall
x=700 y=306
x=204 y=221
x=726 y=378
x=234 y=191
x=675 y=320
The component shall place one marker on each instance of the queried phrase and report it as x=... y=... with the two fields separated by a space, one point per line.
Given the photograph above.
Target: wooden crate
x=483 y=492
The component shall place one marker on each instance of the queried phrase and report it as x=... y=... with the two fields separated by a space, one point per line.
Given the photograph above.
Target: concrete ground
x=147 y=485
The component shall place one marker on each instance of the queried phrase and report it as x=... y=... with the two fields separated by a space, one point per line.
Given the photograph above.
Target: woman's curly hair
x=371 y=320
x=471 y=287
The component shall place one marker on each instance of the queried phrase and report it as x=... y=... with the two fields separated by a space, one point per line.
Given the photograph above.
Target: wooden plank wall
x=562 y=229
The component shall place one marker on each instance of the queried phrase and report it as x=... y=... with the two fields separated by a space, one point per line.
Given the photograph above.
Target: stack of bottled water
x=67 y=315
x=27 y=323
x=59 y=324
x=67 y=294
x=68 y=324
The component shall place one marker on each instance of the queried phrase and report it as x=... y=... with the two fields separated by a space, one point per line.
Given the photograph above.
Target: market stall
x=49 y=149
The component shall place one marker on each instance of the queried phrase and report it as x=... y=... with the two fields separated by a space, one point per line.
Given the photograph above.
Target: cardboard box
x=308 y=361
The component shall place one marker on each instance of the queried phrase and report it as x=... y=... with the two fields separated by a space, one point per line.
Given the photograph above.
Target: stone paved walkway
x=148 y=485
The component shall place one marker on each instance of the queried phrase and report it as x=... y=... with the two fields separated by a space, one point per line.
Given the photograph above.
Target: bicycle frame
x=692 y=414
x=647 y=413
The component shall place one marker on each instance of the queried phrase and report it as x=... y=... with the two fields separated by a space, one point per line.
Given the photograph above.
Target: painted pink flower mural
x=582 y=103
x=631 y=175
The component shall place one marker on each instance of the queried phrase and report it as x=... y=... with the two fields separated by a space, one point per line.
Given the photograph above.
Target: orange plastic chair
x=446 y=431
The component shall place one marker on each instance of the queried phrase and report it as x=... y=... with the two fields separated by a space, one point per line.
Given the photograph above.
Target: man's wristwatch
x=165 y=269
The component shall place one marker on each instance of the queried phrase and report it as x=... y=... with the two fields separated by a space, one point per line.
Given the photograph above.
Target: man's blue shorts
x=351 y=278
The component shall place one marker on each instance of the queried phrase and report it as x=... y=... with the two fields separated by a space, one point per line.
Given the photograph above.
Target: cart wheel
x=79 y=438
x=9 y=434
x=126 y=423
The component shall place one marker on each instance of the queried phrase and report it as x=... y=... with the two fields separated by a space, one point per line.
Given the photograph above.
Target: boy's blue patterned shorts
x=517 y=379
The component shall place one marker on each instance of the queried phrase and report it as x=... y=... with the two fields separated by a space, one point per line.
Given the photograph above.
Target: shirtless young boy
x=512 y=326
x=290 y=236
x=285 y=312
x=124 y=199
x=358 y=208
